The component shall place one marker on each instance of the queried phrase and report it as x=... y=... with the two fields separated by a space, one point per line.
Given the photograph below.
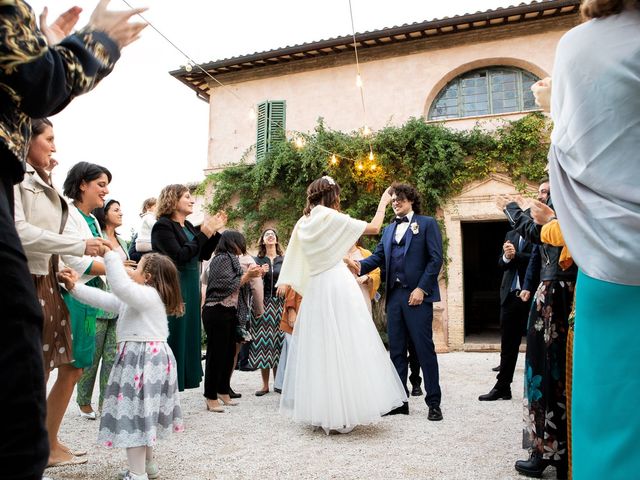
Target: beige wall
x=397 y=87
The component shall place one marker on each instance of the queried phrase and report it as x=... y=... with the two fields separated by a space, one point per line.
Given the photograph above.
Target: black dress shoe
x=496 y=369
x=233 y=394
x=534 y=467
x=435 y=414
x=401 y=410
x=495 y=394
x=416 y=391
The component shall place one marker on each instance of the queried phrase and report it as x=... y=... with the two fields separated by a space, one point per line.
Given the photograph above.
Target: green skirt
x=185 y=334
x=605 y=424
x=83 y=331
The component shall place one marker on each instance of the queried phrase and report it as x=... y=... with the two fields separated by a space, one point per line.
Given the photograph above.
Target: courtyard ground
x=476 y=440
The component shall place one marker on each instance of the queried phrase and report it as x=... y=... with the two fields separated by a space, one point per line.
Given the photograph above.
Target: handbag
x=243 y=335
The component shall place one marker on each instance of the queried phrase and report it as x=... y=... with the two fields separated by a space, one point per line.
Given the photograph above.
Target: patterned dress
x=545 y=395
x=265 y=348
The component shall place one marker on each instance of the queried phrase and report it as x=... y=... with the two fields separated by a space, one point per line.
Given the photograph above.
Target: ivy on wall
x=437 y=160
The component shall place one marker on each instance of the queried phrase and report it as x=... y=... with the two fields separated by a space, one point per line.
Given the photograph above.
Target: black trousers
x=513 y=321
x=414 y=365
x=24 y=446
x=220 y=324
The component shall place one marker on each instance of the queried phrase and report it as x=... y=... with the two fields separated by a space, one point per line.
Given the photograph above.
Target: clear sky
x=151 y=130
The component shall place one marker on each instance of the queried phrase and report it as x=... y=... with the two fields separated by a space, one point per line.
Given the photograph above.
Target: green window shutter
x=262 y=123
x=271 y=126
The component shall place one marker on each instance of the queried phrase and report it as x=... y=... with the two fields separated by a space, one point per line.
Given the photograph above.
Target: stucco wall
x=399 y=85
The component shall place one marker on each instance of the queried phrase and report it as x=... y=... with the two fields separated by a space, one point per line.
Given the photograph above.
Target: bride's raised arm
x=374 y=226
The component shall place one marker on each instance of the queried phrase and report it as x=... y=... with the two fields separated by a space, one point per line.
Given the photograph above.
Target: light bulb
x=358 y=81
x=252 y=113
x=371 y=155
x=366 y=131
x=188 y=67
x=373 y=167
x=299 y=142
x=360 y=167
x=334 y=159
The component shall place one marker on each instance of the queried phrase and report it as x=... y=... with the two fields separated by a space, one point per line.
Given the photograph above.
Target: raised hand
x=509 y=250
x=116 y=23
x=541 y=213
x=542 y=92
x=62 y=27
x=386 y=197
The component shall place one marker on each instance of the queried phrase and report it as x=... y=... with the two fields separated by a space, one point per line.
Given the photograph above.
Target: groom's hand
x=352 y=265
x=416 y=297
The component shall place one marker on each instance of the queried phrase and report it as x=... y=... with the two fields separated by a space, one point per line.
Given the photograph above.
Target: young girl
x=141 y=398
x=148 y=216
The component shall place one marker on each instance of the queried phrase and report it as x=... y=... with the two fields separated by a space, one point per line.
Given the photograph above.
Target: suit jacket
x=168 y=238
x=517 y=265
x=422 y=256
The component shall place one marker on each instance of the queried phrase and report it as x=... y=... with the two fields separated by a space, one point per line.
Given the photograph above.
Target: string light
x=334 y=159
x=299 y=142
x=371 y=155
x=366 y=131
x=373 y=167
x=358 y=81
x=188 y=67
x=360 y=167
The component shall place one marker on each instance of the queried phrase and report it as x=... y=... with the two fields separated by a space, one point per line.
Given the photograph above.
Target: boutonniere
x=415 y=228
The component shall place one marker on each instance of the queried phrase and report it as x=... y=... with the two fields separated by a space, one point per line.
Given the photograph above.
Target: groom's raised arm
x=428 y=282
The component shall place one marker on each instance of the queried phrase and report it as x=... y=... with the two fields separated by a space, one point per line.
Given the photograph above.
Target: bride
x=338 y=374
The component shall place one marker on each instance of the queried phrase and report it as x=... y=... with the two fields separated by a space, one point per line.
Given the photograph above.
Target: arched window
x=485 y=91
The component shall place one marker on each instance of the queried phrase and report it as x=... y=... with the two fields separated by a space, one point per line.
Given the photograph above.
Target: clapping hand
x=509 y=250
x=69 y=277
x=62 y=27
x=116 y=23
x=541 y=213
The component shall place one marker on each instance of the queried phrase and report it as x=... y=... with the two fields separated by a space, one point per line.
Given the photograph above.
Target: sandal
x=260 y=393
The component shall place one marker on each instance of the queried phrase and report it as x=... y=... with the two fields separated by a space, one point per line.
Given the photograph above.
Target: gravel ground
x=476 y=440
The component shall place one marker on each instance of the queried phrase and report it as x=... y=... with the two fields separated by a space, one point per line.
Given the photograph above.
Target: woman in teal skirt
x=595 y=173
x=174 y=236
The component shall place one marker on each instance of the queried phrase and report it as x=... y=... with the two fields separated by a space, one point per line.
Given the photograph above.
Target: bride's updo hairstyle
x=323 y=191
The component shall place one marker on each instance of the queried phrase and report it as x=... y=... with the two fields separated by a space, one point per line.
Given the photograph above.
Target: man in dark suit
x=514 y=308
x=410 y=256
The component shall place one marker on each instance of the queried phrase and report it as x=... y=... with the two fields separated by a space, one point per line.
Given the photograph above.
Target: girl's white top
x=143 y=241
x=141 y=314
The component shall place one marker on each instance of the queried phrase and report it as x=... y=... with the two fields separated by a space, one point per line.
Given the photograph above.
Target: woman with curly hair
x=174 y=236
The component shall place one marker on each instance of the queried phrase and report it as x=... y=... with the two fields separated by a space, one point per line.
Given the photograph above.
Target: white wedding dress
x=338 y=372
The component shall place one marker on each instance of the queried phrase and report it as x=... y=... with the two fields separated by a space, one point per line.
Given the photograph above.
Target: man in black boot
x=514 y=309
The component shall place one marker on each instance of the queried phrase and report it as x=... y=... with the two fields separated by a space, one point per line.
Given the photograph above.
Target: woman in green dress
x=109 y=218
x=174 y=236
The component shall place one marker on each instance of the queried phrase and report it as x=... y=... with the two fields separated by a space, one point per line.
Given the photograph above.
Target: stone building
x=462 y=70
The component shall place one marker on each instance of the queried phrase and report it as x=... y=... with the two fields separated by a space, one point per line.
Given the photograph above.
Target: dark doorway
x=481 y=247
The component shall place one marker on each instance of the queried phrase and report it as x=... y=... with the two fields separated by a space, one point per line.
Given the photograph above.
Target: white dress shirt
x=401 y=229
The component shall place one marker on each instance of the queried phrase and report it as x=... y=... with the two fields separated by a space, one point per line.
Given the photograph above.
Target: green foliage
x=437 y=160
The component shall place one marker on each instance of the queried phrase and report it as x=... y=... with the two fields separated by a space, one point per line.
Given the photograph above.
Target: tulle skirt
x=338 y=374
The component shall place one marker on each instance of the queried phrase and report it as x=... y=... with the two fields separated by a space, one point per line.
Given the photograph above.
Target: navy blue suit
x=416 y=262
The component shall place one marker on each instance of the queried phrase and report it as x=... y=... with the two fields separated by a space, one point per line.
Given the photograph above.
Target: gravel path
x=476 y=440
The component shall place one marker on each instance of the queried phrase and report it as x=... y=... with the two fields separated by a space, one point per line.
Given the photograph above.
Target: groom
x=410 y=256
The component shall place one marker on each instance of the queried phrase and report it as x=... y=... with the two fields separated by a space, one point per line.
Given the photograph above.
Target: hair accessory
x=329 y=179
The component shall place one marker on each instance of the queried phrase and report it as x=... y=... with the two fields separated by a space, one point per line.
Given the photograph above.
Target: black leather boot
x=534 y=467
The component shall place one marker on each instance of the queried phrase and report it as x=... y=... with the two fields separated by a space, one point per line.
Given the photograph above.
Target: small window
x=486 y=91
x=271 y=117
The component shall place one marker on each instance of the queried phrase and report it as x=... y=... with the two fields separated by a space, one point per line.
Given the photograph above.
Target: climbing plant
x=437 y=160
